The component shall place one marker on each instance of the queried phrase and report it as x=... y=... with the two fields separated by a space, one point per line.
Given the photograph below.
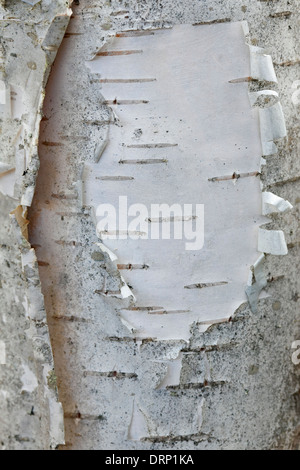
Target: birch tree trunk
x=142 y=344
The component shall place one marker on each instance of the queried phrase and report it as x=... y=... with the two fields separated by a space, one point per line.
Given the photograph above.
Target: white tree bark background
x=72 y=375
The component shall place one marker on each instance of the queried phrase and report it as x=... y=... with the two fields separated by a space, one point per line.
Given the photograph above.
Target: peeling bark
x=231 y=384
x=32 y=416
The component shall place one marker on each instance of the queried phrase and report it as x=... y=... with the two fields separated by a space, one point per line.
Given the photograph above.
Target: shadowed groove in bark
x=53 y=221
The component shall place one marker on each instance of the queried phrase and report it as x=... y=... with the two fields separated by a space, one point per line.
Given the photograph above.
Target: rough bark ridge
x=238 y=386
x=31 y=416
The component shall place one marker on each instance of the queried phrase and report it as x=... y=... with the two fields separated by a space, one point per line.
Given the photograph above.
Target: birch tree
x=149 y=235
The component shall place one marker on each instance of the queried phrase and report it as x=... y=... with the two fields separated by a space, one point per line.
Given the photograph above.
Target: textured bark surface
x=31 y=416
x=238 y=388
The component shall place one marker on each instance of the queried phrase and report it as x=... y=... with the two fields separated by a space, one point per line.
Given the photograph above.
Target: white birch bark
x=140 y=380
